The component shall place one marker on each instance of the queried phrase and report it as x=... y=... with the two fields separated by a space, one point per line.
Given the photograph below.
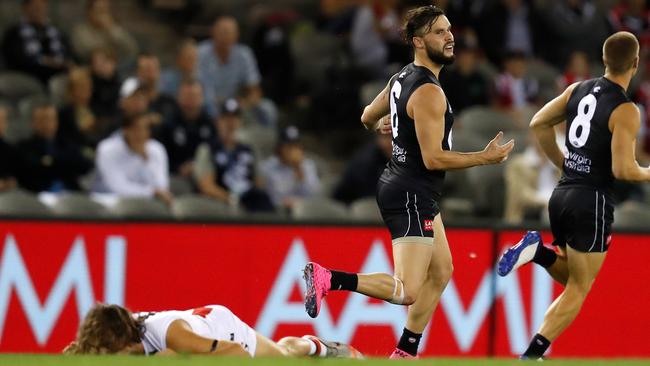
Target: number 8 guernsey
x=588 y=137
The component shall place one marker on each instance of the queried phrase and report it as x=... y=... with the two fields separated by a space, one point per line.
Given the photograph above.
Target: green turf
x=47 y=360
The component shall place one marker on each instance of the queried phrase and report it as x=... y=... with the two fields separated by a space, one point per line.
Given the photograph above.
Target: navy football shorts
x=408 y=214
x=581 y=218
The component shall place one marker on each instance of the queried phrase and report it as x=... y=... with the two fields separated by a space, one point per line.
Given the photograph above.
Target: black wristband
x=214 y=346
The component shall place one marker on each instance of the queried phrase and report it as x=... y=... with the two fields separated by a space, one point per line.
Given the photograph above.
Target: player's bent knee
x=403 y=294
x=441 y=276
x=580 y=290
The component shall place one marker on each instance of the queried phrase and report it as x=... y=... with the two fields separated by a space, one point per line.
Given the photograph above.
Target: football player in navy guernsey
x=602 y=125
x=420 y=121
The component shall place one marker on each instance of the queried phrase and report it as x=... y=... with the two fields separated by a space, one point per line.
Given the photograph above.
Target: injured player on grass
x=211 y=330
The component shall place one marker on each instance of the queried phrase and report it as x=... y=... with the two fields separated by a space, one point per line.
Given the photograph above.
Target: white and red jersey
x=211 y=321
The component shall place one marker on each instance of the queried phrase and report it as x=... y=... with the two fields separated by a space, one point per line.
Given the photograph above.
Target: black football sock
x=409 y=342
x=544 y=256
x=344 y=281
x=537 y=347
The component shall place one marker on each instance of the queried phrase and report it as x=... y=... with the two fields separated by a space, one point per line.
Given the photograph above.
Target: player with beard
x=414 y=109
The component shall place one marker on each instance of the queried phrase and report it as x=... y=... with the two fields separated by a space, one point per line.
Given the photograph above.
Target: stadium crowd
x=257 y=110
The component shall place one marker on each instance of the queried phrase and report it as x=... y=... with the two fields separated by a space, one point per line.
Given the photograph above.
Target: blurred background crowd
x=238 y=108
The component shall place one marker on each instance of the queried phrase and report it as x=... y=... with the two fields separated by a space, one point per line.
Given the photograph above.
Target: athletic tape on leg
x=398 y=292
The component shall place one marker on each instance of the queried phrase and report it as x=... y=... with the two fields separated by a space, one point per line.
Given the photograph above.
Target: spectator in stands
x=464 y=84
x=186 y=68
x=642 y=98
x=101 y=31
x=632 y=16
x=106 y=83
x=577 y=70
x=573 y=25
x=78 y=124
x=190 y=127
x=510 y=25
x=132 y=164
x=35 y=46
x=134 y=100
x=228 y=69
x=7 y=154
x=530 y=179
x=46 y=163
x=148 y=79
x=288 y=175
x=271 y=42
x=514 y=90
x=336 y=16
x=362 y=173
x=224 y=169
x=373 y=23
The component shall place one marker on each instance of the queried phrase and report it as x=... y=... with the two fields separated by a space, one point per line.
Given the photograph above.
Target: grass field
x=47 y=360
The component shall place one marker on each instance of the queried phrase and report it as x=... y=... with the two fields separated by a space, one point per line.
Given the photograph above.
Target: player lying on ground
x=602 y=125
x=213 y=329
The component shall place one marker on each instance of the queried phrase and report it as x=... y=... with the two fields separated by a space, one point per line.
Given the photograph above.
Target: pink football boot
x=318 y=280
x=399 y=354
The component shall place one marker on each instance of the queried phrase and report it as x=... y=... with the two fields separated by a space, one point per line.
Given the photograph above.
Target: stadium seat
x=319 y=209
x=17 y=129
x=57 y=87
x=17 y=85
x=370 y=90
x=468 y=141
x=180 y=185
x=313 y=53
x=456 y=208
x=366 y=209
x=484 y=121
x=193 y=207
x=546 y=76
x=139 y=208
x=328 y=183
x=76 y=205
x=488 y=188
x=19 y=203
x=632 y=215
x=261 y=140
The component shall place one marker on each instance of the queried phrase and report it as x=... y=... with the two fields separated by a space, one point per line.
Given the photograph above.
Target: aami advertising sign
x=51 y=273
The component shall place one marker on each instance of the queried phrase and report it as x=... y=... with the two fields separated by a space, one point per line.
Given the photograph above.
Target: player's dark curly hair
x=106 y=329
x=419 y=21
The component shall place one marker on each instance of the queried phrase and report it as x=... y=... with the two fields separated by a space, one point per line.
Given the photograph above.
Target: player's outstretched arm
x=181 y=339
x=624 y=124
x=376 y=114
x=427 y=106
x=551 y=114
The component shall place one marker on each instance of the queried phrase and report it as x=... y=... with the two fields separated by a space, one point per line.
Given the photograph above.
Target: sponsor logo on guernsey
x=428 y=225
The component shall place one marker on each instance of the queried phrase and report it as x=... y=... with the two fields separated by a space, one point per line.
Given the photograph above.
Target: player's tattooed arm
x=624 y=123
x=181 y=339
x=553 y=113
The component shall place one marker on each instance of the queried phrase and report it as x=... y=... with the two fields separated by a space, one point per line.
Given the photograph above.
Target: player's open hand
x=495 y=153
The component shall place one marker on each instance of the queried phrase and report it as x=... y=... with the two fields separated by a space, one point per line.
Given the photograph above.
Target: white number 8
x=582 y=119
x=395 y=92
